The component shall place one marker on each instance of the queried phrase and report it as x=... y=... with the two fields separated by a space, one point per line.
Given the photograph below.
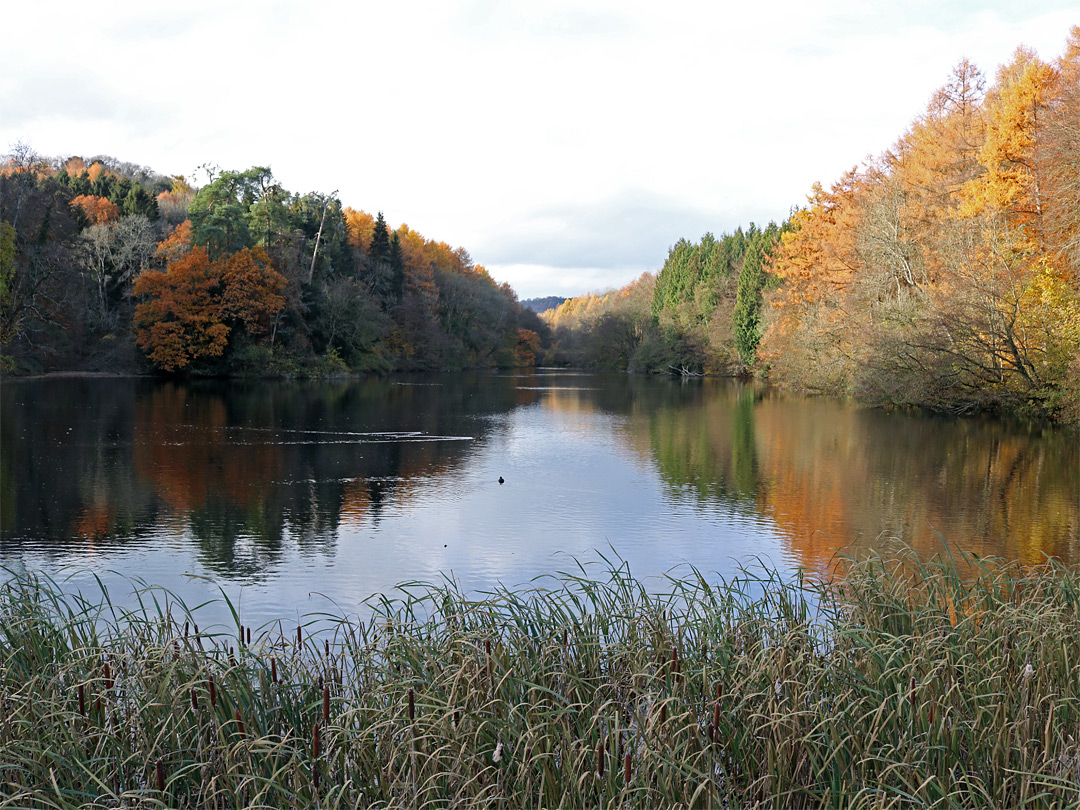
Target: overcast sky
x=565 y=145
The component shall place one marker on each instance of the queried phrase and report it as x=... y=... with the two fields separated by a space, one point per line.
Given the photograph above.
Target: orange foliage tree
x=97 y=210
x=188 y=311
x=945 y=272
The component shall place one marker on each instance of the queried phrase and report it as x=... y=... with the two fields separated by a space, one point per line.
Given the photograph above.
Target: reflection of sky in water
x=295 y=500
x=573 y=491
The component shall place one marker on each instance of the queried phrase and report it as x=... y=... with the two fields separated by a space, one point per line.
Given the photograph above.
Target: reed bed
x=901 y=684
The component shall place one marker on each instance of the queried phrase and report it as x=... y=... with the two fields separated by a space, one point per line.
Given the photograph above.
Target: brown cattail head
x=912 y=697
x=326 y=705
x=239 y=723
x=108 y=677
x=240 y=637
x=627 y=772
x=315 y=742
x=273 y=669
x=82 y=699
x=663 y=714
x=194 y=700
x=932 y=711
x=326 y=641
x=186 y=625
x=487 y=647
x=564 y=638
x=600 y=759
x=249 y=636
x=196 y=629
x=159 y=769
x=299 y=635
x=232 y=657
x=457 y=717
x=716 y=715
x=412 y=702
x=213 y=692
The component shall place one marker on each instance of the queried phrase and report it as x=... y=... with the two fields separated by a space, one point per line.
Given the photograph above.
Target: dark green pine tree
x=397 y=265
x=747 y=314
x=379 y=249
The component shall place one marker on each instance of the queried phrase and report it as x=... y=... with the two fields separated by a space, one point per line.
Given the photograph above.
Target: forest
x=108 y=266
x=944 y=273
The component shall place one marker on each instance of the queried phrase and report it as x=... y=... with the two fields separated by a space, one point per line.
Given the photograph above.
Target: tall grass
x=901 y=685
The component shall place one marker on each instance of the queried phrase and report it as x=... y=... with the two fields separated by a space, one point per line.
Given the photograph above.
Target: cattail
x=600 y=759
x=249 y=636
x=487 y=647
x=671 y=666
x=194 y=700
x=326 y=641
x=457 y=717
x=627 y=769
x=159 y=768
x=315 y=742
x=186 y=629
x=82 y=700
x=716 y=715
x=97 y=705
x=273 y=669
x=196 y=629
x=412 y=707
x=108 y=677
x=663 y=714
x=299 y=635
x=564 y=638
x=326 y=705
x=241 y=635
x=932 y=711
x=239 y=722
x=912 y=694
x=232 y=658
x=213 y=692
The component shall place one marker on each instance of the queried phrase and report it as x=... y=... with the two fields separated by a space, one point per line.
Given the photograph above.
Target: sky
x=565 y=145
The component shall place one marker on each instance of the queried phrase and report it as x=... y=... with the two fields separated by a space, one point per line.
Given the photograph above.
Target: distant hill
x=539 y=305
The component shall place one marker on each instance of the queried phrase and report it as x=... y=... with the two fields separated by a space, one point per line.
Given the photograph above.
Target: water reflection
x=350 y=487
x=833 y=477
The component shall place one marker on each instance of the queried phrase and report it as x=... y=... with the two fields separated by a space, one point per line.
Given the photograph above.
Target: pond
x=293 y=498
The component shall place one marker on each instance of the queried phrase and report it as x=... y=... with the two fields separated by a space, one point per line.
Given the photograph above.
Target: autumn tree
x=187 y=312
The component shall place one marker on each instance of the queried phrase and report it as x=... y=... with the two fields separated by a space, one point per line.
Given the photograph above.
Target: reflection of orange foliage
x=182 y=445
x=840 y=480
x=94 y=522
x=355 y=503
x=96 y=209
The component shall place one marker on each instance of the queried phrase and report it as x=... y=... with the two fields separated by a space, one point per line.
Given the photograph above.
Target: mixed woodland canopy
x=109 y=266
x=943 y=273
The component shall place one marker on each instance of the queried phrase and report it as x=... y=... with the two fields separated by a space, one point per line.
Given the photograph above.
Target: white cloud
x=481 y=123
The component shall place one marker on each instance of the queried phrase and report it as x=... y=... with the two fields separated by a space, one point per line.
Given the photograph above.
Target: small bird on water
x=501 y=480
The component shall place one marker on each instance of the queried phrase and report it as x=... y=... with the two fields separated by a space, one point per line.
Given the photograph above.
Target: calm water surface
x=295 y=497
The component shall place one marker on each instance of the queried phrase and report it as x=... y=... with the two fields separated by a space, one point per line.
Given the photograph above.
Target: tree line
x=944 y=273
x=107 y=265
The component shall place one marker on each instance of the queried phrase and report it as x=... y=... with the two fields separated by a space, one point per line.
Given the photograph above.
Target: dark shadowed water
x=292 y=496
